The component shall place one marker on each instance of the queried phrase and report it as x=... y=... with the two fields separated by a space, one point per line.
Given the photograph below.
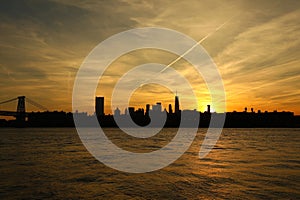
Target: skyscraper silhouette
x=147 y=109
x=131 y=111
x=99 y=106
x=170 y=109
x=117 y=112
x=176 y=104
x=157 y=107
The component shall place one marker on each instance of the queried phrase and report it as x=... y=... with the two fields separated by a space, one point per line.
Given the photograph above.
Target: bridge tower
x=21 y=114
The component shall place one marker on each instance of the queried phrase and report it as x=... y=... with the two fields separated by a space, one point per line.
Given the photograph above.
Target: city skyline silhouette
x=144 y=117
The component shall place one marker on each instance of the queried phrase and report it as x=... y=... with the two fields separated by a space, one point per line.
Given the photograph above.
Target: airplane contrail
x=199 y=42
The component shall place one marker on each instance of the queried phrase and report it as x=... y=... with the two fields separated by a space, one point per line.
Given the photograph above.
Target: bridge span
x=20 y=114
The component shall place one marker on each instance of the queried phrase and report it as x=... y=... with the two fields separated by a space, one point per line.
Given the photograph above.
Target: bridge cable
x=8 y=100
x=36 y=104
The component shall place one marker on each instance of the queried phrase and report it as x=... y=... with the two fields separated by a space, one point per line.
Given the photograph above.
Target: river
x=52 y=163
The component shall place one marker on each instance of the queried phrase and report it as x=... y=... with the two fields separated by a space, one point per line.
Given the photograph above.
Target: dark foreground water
x=245 y=164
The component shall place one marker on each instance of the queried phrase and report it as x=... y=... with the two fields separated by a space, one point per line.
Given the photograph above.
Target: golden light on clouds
x=43 y=44
x=152 y=93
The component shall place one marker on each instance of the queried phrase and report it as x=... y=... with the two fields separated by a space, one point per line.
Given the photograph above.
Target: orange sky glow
x=257 y=52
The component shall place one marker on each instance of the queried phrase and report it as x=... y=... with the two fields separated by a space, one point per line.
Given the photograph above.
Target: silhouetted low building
x=50 y=119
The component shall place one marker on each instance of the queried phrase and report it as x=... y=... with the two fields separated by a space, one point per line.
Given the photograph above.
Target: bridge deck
x=9 y=113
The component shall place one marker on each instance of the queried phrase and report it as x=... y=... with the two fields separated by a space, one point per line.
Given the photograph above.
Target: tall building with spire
x=177 y=104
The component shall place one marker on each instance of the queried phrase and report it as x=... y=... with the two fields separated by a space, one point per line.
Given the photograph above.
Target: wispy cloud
x=43 y=43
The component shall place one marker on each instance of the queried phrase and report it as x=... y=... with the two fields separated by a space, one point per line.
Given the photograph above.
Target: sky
x=257 y=52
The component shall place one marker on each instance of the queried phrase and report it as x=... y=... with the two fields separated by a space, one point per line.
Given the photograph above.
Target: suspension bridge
x=20 y=114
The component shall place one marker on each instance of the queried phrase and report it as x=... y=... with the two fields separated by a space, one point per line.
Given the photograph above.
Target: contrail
x=199 y=42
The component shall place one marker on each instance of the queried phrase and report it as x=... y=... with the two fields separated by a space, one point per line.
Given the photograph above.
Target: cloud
x=262 y=61
x=43 y=43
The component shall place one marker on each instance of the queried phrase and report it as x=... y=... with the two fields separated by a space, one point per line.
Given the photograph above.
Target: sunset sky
x=44 y=42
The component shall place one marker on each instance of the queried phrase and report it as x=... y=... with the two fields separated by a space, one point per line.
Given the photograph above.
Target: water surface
x=245 y=164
